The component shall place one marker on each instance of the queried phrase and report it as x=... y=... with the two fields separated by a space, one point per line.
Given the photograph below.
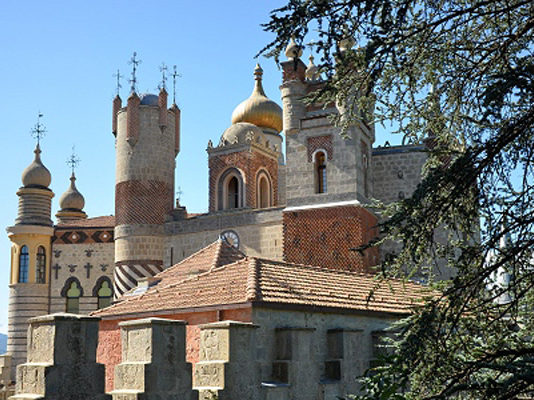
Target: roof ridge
x=253 y=279
x=194 y=277
x=203 y=249
x=215 y=263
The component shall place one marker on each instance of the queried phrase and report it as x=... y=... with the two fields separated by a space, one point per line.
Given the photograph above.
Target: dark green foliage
x=458 y=76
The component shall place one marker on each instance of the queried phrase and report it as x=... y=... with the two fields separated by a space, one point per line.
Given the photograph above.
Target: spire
x=258 y=87
x=36 y=174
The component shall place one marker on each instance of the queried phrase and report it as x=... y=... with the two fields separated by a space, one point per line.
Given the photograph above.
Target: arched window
x=232 y=199
x=320 y=172
x=40 y=265
x=103 y=290
x=263 y=191
x=230 y=188
x=24 y=264
x=72 y=290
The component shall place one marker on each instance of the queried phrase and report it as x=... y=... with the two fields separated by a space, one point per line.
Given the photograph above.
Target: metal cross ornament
x=175 y=75
x=73 y=160
x=134 y=62
x=39 y=130
x=119 y=77
x=163 y=69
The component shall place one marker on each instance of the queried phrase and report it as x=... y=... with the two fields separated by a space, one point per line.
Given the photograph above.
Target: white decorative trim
x=323 y=205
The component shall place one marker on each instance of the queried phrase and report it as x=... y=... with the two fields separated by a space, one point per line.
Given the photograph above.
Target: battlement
x=62 y=361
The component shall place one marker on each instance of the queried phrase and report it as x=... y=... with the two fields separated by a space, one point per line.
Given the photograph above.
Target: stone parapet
x=153 y=361
x=227 y=368
x=61 y=361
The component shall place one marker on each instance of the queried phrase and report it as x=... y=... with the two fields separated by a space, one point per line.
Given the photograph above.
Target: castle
x=302 y=209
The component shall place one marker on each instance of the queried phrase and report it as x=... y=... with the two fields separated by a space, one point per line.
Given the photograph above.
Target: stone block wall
x=396 y=171
x=259 y=232
x=88 y=263
x=61 y=362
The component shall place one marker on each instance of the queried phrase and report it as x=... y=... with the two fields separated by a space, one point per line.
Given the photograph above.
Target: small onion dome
x=293 y=50
x=36 y=174
x=148 y=99
x=258 y=109
x=72 y=199
x=243 y=132
x=312 y=71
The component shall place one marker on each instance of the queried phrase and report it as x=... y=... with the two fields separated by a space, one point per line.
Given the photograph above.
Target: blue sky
x=59 y=57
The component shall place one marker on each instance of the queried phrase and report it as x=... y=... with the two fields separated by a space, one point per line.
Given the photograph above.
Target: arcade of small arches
x=231 y=189
x=73 y=290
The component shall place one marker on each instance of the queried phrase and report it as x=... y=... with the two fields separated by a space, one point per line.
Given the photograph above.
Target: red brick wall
x=142 y=202
x=109 y=339
x=324 y=237
x=250 y=163
x=320 y=142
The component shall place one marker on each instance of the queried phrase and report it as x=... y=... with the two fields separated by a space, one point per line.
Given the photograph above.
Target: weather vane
x=118 y=76
x=179 y=194
x=38 y=130
x=134 y=62
x=73 y=160
x=163 y=70
x=175 y=75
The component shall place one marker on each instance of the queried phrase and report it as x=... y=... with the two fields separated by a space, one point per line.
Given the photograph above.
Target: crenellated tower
x=30 y=256
x=147 y=142
x=328 y=179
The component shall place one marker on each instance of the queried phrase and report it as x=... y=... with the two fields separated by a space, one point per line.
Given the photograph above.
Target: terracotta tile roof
x=96 y=222
x=232 y=278
x=217 y=254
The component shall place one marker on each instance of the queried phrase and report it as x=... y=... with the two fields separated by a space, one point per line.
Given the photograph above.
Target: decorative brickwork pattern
x=82 y=236
x=128 y=273
x=320 y=142
x=132 y=124
x=250 y=162
x=324 y=237
x=142 y=202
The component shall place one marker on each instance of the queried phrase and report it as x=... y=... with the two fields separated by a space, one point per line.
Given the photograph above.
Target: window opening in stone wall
x=104 y=294
x=233 y=193
x=40 y=266
x=73 y=298
x=320 y=173
x=264 y=192
x=24 y=264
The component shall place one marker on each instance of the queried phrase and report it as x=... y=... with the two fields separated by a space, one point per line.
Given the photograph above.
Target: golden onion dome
x=258 y=109
x=36 y=174
x=72 y=199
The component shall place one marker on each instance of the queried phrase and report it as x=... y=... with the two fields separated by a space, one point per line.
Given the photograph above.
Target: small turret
x=71 y=203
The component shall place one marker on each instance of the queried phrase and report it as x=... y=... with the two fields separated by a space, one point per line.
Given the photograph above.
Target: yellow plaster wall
x=33 y=241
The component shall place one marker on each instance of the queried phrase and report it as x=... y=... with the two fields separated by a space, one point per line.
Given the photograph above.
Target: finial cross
x=179 y=193
x=134 y=62
x=119 y=77
x=39 y=130
x=163 y=69
x=73 y=160
x=175 y=75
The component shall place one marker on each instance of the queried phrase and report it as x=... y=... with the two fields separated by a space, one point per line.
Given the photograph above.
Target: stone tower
x=147 y=142
x=30 y=256
x=327 y=176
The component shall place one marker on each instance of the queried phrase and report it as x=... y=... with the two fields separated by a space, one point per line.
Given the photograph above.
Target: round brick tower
x=147 y=139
